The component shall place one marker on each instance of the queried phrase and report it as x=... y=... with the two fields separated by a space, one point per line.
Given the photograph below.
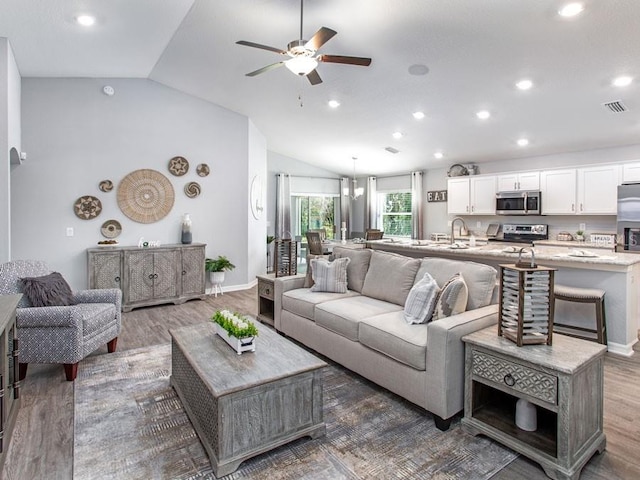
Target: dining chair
x=373 y=234
x=322 y=232
x=314 y=242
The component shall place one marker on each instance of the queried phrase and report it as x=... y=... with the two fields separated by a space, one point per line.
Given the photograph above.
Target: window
x=394 y=213
x=313 y=213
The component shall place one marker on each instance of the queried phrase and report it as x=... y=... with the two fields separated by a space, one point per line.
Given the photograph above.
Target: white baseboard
x=620 y=349
x=234 y=288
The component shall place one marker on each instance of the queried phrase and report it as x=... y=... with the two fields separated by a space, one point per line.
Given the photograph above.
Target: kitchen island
x=613 y=272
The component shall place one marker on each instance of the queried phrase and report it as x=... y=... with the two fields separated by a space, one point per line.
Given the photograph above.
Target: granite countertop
x=574 y=244
x=509 y=252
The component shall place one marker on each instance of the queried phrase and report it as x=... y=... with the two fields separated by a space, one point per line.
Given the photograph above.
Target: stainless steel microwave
x=525 y=202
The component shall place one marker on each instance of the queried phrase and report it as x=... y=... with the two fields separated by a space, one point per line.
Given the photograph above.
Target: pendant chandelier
x=355 y=191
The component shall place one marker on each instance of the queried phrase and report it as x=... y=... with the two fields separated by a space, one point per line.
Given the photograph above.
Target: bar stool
x=583 y=295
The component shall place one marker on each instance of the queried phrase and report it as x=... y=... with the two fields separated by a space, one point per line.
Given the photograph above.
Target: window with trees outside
x=314 y=213
x=394 y=213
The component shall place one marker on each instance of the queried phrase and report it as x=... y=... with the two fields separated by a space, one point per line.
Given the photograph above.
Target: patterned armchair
x=61 y=334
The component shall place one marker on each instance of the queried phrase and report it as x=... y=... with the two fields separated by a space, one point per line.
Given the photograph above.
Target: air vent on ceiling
x=392 y=150
x=616 y=106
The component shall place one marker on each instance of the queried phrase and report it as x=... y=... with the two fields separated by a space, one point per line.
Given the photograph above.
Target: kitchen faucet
x=453 y=222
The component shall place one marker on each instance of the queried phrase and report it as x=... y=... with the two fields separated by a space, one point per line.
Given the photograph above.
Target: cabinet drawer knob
x=509 y=380
x=117 y=279
x=267 y=291
x=151 y=276
x=184 y=272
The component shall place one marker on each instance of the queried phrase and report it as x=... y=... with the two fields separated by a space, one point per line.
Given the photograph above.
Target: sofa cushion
x=421 y=300
x=390 y=277
x=358 y=266
x=50 y=290
x=302 y=301
x=329 y=276
x=480 y=279
x=391 y=335
x=342 y=316
x=452 y=299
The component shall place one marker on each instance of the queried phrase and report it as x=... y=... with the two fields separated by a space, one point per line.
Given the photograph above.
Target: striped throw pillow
x=329 y=276
x=421 y=301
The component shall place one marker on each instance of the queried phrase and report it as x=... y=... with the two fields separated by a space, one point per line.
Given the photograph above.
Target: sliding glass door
x=314 y=212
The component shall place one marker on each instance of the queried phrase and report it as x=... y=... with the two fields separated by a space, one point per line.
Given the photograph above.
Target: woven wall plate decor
x=192 y=189
x=203 y=170
x=87 y=207
x=111 y=229
x=145 y=196
x=106 y=185
x=178 y=166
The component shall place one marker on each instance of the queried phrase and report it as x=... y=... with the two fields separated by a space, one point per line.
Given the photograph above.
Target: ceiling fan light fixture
x=301 y=65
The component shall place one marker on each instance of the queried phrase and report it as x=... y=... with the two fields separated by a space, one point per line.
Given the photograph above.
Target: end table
x=265 y=298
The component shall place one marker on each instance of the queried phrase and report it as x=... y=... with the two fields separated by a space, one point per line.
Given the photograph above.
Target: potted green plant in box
x=216 y=268
x=235 y=329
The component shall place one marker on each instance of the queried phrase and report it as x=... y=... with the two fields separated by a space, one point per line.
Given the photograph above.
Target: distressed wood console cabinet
x=149 y=276
x=9 y=383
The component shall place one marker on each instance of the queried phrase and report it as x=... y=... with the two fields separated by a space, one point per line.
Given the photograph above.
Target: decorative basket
x=240 y=345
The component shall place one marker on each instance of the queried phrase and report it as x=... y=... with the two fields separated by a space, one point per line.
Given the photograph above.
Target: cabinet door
x=598 y=190
x=507 y=183
x=558 y=192
x=193 y=279
x=529 y=181
x=483 y=195
x=139 y=285
x=166 y=267
x=458 y=196
x=105 y=270
x=631 y=172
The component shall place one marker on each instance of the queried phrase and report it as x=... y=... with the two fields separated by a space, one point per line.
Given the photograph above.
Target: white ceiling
x=475 y=51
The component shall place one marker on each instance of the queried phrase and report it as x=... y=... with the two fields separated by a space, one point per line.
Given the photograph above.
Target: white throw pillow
x=421 y=301
x=452 y=299
x=329 y=276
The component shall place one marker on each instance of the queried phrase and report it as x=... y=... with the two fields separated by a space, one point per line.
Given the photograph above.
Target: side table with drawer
x=565 y=383
x=265 y=298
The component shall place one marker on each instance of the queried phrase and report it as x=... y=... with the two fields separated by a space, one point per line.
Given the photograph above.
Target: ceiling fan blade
x=362 y=61
x=314 y=77
x=263 y=47
x=264 y=69
x=321 y=37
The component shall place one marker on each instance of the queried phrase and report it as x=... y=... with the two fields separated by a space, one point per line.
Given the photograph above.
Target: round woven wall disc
x=111 y=229
x=192 y=189
x=145 y=196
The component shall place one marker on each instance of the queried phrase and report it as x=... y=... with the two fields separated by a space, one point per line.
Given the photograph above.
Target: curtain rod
x=315 y=178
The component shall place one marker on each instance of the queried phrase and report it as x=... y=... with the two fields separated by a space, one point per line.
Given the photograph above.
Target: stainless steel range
x=518 y=233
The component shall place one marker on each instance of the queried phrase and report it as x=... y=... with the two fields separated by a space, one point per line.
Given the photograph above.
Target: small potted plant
x=216 y=268
x=580 y=235
x=235 y=329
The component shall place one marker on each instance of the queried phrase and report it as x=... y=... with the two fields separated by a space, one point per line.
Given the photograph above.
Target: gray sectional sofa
x=365 y=330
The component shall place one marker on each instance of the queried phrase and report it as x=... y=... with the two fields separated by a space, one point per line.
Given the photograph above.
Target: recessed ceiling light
x=623 y=81
x=438 y=155
x=397 y=135
x=85 y=20
x=334 y=103
x=418 y=115
x=483 y=114
x=571 y=9
x=523 y=142
x=524 y=84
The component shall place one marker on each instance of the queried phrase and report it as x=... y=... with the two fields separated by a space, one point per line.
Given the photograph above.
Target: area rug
x=129 y=423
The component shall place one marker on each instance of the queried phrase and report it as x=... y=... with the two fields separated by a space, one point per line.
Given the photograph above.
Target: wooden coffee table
x=244 y=405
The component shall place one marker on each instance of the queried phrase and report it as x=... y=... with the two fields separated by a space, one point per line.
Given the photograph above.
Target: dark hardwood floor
x=42 y=445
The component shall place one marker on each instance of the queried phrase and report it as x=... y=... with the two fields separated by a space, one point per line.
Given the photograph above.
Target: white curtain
x=283 y=206
x=371 y=214
x=344 y=203
x=416 y=206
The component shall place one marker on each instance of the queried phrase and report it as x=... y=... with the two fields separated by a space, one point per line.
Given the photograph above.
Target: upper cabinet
x=519 y=181
x=472 y=195
x=631 y=172
x=582 y=191
x=558 y=189
x=598 y=190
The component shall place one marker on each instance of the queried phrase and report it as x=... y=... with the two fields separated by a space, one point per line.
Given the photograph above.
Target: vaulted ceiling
x=474 y=52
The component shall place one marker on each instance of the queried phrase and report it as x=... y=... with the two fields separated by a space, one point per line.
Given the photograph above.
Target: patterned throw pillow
x=329 y=276
x=308 y=279
x=421 y=300
x=47 y=291
x=453 y=298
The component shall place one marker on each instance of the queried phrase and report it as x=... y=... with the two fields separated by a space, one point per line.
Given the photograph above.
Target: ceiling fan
x=304 y=58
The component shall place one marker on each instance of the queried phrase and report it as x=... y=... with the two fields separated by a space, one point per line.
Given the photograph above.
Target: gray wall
x=76 y=136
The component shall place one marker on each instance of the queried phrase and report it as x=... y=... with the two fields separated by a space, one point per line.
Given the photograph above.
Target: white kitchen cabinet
x=472 y=195
x=631 y=172
x=519 y=181
x=598 y=190
x=558 y=189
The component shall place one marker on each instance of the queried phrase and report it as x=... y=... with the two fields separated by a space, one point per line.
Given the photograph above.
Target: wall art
x=87 y=207
x=178 y=166
x=145 y=196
